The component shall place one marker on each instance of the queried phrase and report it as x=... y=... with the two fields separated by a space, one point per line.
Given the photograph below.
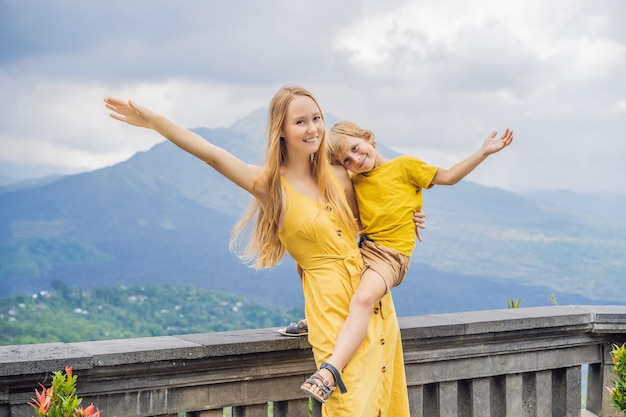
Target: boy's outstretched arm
x=457 y=172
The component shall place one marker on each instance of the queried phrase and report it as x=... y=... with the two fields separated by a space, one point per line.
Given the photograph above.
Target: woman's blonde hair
x=259 y=245
x=337 y=137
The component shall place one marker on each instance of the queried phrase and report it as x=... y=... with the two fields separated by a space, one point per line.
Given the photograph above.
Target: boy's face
x=359 y=155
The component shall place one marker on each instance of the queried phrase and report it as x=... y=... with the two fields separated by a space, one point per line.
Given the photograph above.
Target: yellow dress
x=332 y=265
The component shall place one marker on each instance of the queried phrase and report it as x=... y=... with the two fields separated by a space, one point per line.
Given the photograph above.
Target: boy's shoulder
x=403 y=160
x=391 y=164
x=405 y=157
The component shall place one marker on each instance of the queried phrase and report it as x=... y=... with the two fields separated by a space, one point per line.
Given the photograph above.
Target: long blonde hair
x=259 y=246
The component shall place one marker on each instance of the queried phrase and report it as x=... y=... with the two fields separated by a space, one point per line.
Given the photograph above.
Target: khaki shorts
x=389 y=263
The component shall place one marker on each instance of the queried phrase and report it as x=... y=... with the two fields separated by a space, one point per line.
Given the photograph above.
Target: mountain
x=165 y=217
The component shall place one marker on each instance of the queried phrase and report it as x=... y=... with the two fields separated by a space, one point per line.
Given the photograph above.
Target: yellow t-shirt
x=388 y=196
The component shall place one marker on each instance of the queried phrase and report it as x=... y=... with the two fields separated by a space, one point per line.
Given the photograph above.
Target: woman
x=300 y=206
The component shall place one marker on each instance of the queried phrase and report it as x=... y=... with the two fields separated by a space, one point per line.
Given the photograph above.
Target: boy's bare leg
x=371 y=289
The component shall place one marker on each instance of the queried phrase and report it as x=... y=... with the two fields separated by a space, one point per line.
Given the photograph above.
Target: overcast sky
x=430 y=78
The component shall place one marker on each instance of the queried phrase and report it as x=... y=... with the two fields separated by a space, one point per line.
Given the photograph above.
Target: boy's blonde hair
x=259 y=245
x=337 y=137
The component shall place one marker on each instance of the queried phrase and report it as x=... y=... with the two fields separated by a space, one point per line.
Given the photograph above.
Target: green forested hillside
x=163 y=217
x=74 y=314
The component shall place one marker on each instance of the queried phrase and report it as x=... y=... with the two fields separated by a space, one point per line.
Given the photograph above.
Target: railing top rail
x=49 y=357
x=591 y=318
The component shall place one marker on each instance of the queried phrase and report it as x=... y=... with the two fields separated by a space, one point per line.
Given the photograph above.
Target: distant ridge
x=165 y=217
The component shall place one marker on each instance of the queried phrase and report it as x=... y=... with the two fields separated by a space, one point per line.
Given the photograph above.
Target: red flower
x=43 y=400
x=88 y=412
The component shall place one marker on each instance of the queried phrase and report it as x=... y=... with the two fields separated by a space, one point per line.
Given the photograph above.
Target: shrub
x=60 y=399
x=618 y=390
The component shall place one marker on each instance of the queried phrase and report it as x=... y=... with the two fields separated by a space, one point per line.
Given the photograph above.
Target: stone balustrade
x=546 y=361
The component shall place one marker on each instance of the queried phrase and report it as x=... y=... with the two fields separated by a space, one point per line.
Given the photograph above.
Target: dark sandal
x=323 y=384
x=295 y=329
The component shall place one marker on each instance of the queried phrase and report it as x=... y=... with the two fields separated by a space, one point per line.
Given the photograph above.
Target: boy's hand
x=493 y=144
x=419 y=217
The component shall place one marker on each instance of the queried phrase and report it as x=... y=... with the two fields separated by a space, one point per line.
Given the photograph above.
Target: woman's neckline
x=296 y=191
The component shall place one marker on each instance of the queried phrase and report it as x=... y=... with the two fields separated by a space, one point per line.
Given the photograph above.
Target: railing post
x=206 y=413
x=464 y=398
x=606 y=378
x=566 y=392
x=497 y=396
x=256 y=410
x=431 y=400
x=595 y=389
x=481 y=397
x=529 y=394
x=543 y=384
x=416 y=400
x=291 y=408
x=448 y=402
x=513 y=390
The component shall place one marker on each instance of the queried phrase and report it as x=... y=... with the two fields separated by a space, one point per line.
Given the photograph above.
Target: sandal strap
x=297 y=328
x=322 y=383
x=336 y=375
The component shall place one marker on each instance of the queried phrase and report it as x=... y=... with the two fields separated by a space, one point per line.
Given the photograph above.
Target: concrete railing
x=545 y=361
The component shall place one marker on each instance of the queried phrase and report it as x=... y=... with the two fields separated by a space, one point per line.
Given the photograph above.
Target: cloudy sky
x=431 y=78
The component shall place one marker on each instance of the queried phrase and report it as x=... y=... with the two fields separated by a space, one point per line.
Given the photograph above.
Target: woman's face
x=303 y=127
x=359 y=155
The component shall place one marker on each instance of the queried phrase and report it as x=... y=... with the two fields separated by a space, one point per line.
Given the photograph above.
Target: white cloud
x=549 y=70
x=565 y=33
x=65 y=126
x=429 y=77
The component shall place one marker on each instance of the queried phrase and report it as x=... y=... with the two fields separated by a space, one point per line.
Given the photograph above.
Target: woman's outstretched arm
x=244 y=175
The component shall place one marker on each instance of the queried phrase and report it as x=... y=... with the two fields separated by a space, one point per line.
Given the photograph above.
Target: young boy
x=387 y=192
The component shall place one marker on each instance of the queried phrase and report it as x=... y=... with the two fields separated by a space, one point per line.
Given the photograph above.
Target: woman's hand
x=419 y=217
x=129 y=112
